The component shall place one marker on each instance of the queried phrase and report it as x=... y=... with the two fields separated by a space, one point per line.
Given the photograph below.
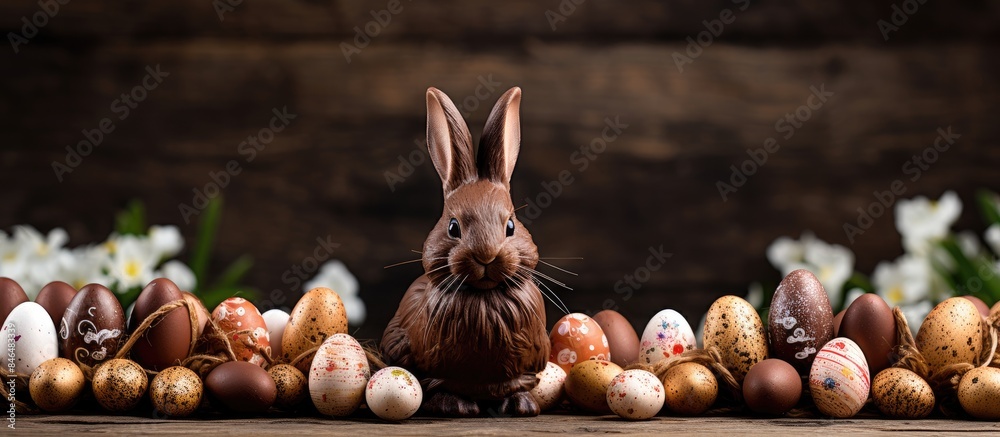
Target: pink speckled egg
x=575 y=338
x=838 y=379
x=245 y=328
x=666 y=335
x=549 y=391
x=635 y=395
x=338 y=375
x=394 y=394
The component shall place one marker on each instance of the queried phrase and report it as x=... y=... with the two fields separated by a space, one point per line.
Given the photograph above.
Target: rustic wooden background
x=325 y=174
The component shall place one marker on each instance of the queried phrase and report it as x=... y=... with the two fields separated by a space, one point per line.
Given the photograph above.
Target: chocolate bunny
x=472 y=327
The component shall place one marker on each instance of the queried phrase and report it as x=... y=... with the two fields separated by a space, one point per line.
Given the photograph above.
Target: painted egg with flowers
x=576 y=338
x=666 y=335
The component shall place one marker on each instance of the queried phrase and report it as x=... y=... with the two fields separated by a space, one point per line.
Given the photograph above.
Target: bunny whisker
x=547 y=292
x=402 y=263
x=558 y=268
x=544 y=276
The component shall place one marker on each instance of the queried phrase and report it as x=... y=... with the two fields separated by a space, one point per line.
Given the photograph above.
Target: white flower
x=132 y=262
x=992 y=238
x=335 y=276
x=906 y=281
x=922 y=222
x=84 y=265
x=755 y=295
x=179 y=273
x=915 y=314
x=37 y=259
x=165 y=241
x=832 y=264
x=35 y=245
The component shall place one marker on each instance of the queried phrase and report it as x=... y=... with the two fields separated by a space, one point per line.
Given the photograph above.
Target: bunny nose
x=484 y=263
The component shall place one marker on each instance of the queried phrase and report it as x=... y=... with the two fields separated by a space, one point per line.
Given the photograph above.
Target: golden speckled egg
x=292 y=385
x=393 y=393
x=119 y=385
x=979 y=393
x=549 y=391
x=56 y=385
x=319 y=314
x=951 y=333
x=576 y=338
x=176 y=391
x=691 y=388
x=635 y=395
x=902 y=394
x=996 y=309
x=587 y=384
x=734 y=327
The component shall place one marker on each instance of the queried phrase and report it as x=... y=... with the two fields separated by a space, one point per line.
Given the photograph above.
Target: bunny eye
x=453 y=230
x=510 y=227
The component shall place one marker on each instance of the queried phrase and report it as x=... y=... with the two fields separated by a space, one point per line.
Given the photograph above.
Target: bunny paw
x=447 y=404
x=520 y=404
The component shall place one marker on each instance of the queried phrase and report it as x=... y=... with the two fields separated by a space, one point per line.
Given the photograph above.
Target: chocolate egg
x=200 y=310
x=979 y=393
x=176 y=391
x=623 y=342
x=951 y=333
x=11 y=295
x=318 y=315
x=338 y=376
x=56 y=385
x=587 y=384
x=666 y=335
x=549 y=390
x=576 y=338
x=772 y=387
x=291 y=386
x=242 y=387
x=839 y=381
x=733 y=326
x=245 y=329
x=34 y=337
x=119 y=384
x=167 y=342
x=393 y=393
x=275 y=320
x=635 y=395
x=902 y=394
x=984 y=309
x=55 y=297
x=691 y=389
x=92 y=328
x=870 y=323
x=837 y=320
x=800 y=320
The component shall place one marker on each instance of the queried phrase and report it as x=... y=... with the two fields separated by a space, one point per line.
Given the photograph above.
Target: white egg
x=549 y=391
x=839 y=380
x=394 y=393
x=636 y=395
x=275 y=320
x=338 y=375
x=30 y=329
x=666 y=335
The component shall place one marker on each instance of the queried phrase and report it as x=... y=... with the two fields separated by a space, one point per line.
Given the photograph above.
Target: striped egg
x=338 y=376
x=838 y=379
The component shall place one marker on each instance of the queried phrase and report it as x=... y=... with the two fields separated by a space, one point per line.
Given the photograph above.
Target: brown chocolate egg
x=11 y=295
x=733 y=327
x=92 y=328
x=56 y=385
x=951 y=333
x=167 y=342
x=176 y=391
x=319 y=314
x=837 y=320
x=291 y=385
x=800 y=321
x=55 y=297
x=772 y=387
x=870 y=323
x=690 y=388
x=980 y=305
x=119 y=384
x=902 y=394
x=200 y=311
x=622 y=338
x=241 y=387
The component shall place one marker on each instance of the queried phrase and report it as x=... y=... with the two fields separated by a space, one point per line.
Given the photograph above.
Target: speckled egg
x=800 y=320
x=291 y=384
x=951 y=333
x=176 y=391
x=577 y=338
x=318 y=315
x=902 y=394
x=666 y=335
x=35 y=340
x=394 y=394
x=119 y=385
x=733 y=326
x=690 y=389
x=635 y=395
x=245 y=329
x=839 y=380
x=587 y=384
x=338 y=376
x=549 y=391
x=275 y=320
x=56 y=385
x=984 y=310
x=979 y=393
x=92 y=328
x=995 y=309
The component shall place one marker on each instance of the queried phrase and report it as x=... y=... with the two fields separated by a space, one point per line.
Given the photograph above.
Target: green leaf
x=232 y=275
x=987 y=201
x=977 y=277
x=131 y=220
x=207 y=227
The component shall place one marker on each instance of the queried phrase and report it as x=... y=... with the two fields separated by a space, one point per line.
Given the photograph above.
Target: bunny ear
x=448 y=141
x=501 y=139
